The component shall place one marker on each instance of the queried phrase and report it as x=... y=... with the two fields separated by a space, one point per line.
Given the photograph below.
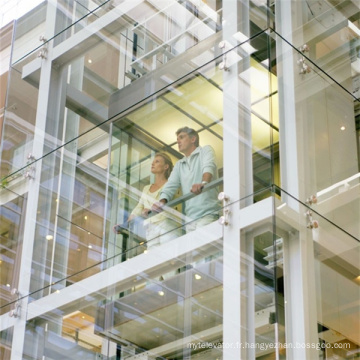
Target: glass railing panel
x=12 y=216
x=333 y=272
x=326 y=142
x=328 y=33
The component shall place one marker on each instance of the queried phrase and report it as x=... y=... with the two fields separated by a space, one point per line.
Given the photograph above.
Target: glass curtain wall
x=97 y=90
x=320 y=168
x=324 y=36
x=89 y=174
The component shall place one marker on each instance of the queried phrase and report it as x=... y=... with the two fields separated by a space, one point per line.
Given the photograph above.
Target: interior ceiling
x=154 y=315
x=198 y=104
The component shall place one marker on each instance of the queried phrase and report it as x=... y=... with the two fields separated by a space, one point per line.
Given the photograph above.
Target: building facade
x=95 y=89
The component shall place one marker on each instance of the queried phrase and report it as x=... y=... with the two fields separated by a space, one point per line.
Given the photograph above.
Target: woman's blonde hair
x=168 y=161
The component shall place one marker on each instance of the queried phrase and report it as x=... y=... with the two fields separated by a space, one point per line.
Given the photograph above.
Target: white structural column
x=299 y=279
x=33 y=195
x=237 y=177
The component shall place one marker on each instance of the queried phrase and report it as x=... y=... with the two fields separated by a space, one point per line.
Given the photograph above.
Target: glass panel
x=326 y=144
x=158 y=312
x=328 y=34
x=12 y=217
x=18 y=125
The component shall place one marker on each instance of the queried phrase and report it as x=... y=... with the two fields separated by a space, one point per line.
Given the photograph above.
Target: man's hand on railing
x=197 y=188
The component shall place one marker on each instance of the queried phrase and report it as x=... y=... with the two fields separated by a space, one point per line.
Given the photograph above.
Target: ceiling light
x=7 y=285
x=85 y=217
x=90 y=246
x=49 y=237
x=161 y=293
x=197 y=276
x=89 y=61
x=342 y=128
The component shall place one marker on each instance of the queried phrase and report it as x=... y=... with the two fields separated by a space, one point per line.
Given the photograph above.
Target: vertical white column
x=299 y=277
x=33 y=193
x=237 y=180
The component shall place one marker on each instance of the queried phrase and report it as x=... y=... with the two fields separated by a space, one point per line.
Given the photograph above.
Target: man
x=196 y=169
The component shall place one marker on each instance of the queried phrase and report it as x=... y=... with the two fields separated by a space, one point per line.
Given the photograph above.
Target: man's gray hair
x=190 y=132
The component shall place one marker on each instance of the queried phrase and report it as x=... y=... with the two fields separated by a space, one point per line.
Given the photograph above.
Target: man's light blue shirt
x=188 y=171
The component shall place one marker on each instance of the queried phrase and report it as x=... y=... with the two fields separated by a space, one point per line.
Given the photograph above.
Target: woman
x=159 y=227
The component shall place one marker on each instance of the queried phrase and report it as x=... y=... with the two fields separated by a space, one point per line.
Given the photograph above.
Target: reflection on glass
x=330 y=33
x=327 y=144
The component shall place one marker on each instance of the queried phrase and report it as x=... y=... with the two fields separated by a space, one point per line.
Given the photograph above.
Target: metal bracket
x=304 y=68
x=223 y=65
x=304 y=48
x=311 y=200
x=29 y=171
x=224 y=219
x=15 y=311
x=311 y=223
x=43 y=51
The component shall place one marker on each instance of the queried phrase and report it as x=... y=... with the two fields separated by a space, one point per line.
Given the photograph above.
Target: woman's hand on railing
x=145 y=213
x=158 y=206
